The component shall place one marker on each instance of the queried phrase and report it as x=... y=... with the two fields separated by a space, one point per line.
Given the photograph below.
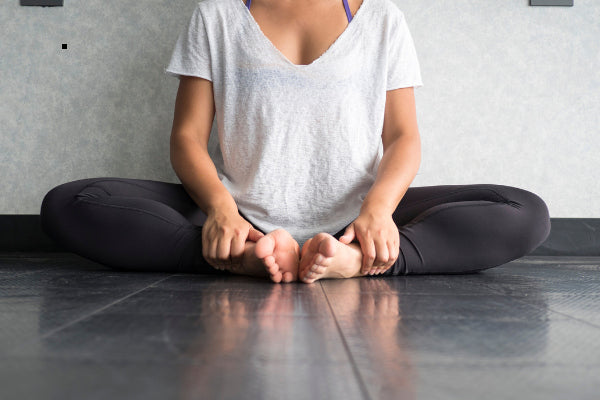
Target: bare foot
x=280 y=255
x=323 y=256
x=250 y=265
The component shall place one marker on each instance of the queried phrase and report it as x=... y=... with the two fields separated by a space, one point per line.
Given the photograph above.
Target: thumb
x=348 y=235
x=254 y=234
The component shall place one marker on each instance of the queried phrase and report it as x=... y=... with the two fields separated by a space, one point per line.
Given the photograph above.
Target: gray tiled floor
x=73 y=329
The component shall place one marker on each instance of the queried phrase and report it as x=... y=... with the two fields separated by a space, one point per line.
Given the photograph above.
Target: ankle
x=356 y=259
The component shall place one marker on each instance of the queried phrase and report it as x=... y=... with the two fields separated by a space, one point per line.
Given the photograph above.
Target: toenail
x=314 y=267
x=319 y=259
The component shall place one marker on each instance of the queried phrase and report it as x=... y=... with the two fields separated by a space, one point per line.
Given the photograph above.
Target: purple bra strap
x=348 y=13
x=346 y=7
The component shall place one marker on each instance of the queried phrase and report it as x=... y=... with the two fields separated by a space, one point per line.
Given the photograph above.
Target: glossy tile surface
x=71 y=328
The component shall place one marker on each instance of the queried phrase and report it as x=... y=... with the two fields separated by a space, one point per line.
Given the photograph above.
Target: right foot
x=280 y=254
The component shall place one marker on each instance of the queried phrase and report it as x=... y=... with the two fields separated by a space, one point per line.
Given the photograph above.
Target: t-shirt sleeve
x=191 y=55
x=403 y=64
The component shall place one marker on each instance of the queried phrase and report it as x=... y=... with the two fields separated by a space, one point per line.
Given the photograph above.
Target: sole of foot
x=280 y=254
x=323 y=256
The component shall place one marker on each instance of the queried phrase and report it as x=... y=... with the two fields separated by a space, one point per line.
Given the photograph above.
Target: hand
x=224 y=235
x=379 y=240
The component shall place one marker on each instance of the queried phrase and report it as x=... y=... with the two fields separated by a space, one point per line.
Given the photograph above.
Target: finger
x=213 y=243
x=223 y=249
x=382 y=251
x=381 y=255
x=237 y=248
x=348 y=235
x=384 y=268
x=254 y=234
x=369 y=253
x=394 y=252
x=205 y=244
x=394 y=249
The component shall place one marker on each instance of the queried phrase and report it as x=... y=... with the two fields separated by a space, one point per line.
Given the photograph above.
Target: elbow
x=175 y=148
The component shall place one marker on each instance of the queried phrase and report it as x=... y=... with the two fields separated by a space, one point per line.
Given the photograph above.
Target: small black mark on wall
x=43 y=3
x=566 y=3
x=64 y=46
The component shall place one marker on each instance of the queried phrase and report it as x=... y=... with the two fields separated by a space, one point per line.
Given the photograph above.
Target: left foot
x=323 y=256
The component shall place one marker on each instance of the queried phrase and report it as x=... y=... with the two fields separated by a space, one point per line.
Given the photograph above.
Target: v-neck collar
x=256 y=28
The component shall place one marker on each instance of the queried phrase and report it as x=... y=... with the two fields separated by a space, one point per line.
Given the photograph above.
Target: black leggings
x=147 y=225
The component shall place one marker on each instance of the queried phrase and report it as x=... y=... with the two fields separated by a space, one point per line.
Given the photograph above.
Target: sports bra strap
x=346 y=7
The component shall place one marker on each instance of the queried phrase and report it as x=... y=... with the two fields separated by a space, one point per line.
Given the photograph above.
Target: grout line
x=76 y=320
x=521 y=300
x=359 y=378
x=555 y=311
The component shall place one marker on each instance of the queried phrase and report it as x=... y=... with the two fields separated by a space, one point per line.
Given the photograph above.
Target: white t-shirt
x=297 y=146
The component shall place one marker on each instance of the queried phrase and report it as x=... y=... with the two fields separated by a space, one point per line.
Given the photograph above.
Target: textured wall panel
x=510 y=96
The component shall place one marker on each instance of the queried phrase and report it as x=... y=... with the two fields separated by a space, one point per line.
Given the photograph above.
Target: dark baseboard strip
x=24 y=233
x=568 y=237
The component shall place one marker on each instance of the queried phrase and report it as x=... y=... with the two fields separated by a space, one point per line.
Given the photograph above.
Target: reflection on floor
x=71 y=328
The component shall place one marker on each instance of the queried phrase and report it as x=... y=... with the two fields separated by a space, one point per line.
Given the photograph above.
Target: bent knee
x=54 y=208
x=533 y=218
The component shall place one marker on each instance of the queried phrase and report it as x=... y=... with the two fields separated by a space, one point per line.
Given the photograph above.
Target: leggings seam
x=418 y=253
x=182 y=251
x=137 y=209
x=127 y=182
x=505 y=200
x=90 y=185
x=443 y=209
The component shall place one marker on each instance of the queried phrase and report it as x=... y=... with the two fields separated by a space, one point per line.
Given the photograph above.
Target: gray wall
x=511 y=95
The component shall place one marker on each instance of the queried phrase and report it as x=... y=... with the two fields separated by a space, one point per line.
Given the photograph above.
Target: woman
x=308 y=174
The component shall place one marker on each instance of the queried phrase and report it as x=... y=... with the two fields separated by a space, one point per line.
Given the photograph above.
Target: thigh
x=170 y=194
x=418 y=199
x=466 y=228
x=127 y=223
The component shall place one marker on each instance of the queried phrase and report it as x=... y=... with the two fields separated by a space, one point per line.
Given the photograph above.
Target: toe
x=327 y=244
x=301 y=274
x=270 y=261
x=276 y=277
x=265 y=246
x=305 y=247
x=318 y=269
x=273 y=269
x=288 y=276
x=270 y=265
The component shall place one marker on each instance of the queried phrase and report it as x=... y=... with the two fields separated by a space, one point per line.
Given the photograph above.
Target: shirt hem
x=405 y=85
x=179 y=73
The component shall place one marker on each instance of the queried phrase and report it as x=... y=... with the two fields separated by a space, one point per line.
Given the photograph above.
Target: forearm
x=198 y=174
x=397 y=169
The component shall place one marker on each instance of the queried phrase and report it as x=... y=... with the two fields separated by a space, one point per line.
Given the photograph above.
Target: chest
x=302 y=33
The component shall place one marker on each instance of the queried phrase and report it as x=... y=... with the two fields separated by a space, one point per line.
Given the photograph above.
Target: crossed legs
x=149 y=225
